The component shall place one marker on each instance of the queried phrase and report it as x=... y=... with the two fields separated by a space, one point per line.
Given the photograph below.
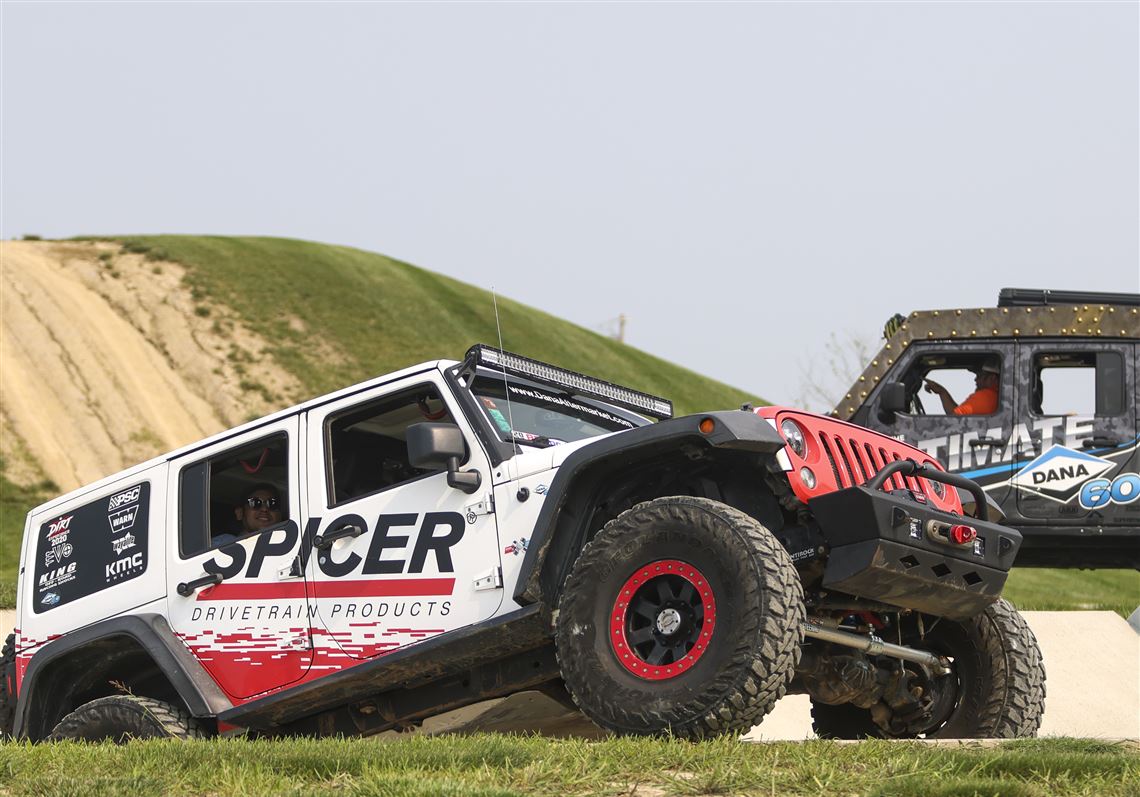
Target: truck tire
x=121 y=718
x=8 y=687
x=682 y=616
x=997 y=688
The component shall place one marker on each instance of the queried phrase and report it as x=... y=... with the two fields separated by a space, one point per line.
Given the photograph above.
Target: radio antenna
x=502 y=365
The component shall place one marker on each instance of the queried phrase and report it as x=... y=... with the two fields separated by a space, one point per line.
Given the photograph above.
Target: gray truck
x=1059 y=452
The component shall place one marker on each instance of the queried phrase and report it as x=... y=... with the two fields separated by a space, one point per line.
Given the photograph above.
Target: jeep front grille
x=854 y=463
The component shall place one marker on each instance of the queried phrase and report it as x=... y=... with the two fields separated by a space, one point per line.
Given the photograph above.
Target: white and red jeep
x=455 y=532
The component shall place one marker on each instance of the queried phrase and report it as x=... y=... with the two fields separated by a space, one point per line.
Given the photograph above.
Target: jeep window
x=367 y=449
x=956 y=373
x=1077 y=383
x=212 y=492
x=541 y=416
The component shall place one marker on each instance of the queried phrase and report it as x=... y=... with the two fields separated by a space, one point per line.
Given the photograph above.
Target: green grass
x=15 y=501
x=514 y=765
x=1036 y=589
x=374 y=315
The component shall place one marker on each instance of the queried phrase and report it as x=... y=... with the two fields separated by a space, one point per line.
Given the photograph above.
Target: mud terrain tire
x=121 y=718
x=998 y=682
x=701 y=579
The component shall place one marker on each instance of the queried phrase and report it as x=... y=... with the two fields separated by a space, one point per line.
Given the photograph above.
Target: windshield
x=544 y=416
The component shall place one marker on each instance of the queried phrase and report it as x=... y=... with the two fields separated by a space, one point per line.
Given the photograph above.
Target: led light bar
x=518 y=365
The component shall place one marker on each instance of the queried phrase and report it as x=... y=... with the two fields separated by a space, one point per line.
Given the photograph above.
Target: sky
x=742 y=181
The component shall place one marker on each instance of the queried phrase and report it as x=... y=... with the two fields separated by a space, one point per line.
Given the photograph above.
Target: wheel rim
x=662 y=619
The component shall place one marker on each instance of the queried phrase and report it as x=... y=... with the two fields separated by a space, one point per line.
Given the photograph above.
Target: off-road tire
x=121 y=718
x=8 y=687
x=754 y=645
x=999 y=676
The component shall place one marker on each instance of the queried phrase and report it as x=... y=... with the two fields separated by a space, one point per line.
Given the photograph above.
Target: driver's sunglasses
x=255 y=503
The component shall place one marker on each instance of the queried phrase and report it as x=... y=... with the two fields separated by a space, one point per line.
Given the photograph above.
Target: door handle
x=188 y=588
x=329 y=537
x=986 y=441
x=1099 y=441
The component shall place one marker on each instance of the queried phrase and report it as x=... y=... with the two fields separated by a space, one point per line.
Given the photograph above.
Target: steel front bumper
x=888 y=547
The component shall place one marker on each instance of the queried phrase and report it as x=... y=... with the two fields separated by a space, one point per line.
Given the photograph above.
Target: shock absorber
x=873 y=646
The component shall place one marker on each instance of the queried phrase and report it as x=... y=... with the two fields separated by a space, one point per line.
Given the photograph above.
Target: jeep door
x=1081 y=396
x=251 y=629
x=415 y=557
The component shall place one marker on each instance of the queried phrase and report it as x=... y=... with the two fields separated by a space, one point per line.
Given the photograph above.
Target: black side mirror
x=892 y=399
x=441 y=445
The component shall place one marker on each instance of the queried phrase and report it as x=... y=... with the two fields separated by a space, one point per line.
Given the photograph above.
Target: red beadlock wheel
x=662 y=619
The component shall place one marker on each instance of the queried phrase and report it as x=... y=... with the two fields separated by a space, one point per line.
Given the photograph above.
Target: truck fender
x=558 y=530
x=47 y=676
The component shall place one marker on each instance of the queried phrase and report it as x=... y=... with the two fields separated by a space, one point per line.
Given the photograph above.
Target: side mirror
x=441 y=445
x=892 y=399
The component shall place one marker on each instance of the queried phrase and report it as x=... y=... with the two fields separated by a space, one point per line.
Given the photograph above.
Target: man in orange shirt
x=983 y=401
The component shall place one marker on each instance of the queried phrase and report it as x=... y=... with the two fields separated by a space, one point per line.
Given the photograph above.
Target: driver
x=984 y=399
x=260 y=509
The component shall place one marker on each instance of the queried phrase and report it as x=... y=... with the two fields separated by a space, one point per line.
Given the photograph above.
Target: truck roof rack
x=1032 y=297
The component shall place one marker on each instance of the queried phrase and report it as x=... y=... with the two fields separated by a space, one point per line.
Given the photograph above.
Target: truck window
x=234 y=494
x=1077 y=383
x=367 y=449
x=954 y=384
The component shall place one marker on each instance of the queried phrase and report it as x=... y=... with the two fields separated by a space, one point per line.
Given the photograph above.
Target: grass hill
x=369 y=314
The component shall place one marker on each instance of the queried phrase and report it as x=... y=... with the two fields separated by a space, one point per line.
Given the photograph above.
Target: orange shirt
x=980 y=402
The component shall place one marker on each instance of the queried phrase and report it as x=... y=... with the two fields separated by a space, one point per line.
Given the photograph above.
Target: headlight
x=795 y=437
x=808 y=478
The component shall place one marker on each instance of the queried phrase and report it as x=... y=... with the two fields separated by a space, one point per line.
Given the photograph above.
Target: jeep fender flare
x=559 y=531
x=53 y=665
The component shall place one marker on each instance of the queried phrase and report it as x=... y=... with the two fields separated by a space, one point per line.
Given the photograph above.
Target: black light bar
x=1029 y=297
x=552 y=375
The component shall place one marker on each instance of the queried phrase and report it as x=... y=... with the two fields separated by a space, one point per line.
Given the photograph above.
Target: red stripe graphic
x=365 y=588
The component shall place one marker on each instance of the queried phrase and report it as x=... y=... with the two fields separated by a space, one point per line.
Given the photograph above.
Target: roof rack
x=633 y=400
x=1031 y=297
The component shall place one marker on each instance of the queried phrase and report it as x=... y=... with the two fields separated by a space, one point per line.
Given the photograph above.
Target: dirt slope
x=106 y=360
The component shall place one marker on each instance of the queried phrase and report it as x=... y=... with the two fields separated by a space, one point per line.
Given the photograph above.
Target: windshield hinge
x=484 y=507
x=492 y=579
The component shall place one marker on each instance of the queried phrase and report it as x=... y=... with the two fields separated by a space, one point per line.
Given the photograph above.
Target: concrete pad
x=1092 y=668
x=7 y=622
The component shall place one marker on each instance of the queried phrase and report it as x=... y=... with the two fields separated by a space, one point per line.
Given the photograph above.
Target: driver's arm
x=948 y=402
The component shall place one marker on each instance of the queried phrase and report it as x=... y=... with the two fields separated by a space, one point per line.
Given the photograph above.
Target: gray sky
x=739 y=179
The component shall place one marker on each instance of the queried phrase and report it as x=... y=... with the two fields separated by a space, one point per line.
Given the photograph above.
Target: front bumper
x=882 y=550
